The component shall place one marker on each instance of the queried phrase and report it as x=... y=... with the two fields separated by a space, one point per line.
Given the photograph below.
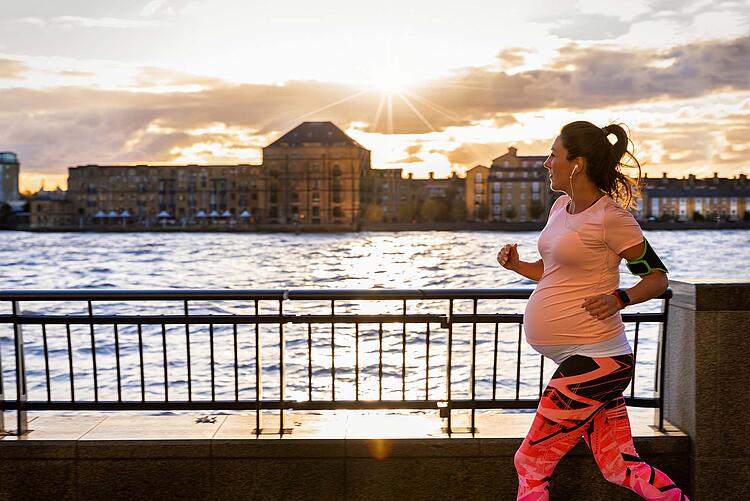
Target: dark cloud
x=11 y=69
x=590 y=27
x=58 y=127
x=584 y=78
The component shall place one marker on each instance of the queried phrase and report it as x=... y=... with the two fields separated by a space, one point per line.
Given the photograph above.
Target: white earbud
x=575 y=168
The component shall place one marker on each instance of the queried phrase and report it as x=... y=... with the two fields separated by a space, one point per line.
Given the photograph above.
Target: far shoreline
x=370 y=227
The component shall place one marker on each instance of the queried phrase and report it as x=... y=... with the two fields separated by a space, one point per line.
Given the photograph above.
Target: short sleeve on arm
x=558 y=203
x=621 y=230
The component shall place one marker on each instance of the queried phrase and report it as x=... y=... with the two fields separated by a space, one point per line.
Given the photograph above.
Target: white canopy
x=100 y=214
x=226 y=213
x=125 y=214
x=244 y=213
x=112 y=213
x=164 y=214
x=214 y=214
x=200 y=214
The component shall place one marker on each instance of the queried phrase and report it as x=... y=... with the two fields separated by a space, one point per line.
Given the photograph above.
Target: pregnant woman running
x=573 y=317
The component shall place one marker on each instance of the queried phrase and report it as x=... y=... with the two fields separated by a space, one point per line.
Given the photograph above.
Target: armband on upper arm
x=647 y=262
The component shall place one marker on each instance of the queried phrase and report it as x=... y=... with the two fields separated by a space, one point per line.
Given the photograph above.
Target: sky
x=426 y=85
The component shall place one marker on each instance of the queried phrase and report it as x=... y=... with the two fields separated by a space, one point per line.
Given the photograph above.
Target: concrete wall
x=707 y=378
x=335 y=469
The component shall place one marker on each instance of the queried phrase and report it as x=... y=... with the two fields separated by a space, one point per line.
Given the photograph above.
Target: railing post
x=281 y=368
x=21 y=396
x=2 y=393
x=661 y=354
x=449 y=350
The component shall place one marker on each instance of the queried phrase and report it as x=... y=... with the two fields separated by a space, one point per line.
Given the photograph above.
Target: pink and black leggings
x=584 y=399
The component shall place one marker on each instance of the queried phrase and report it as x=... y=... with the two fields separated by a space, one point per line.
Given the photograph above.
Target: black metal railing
x=78 y=358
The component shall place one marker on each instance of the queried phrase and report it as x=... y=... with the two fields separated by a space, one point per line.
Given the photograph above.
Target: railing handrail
x=267 y=294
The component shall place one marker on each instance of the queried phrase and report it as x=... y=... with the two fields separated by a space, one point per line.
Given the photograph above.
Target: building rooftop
x=314 y=132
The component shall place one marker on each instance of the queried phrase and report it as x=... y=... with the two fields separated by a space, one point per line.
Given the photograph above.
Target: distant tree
x=407 y=211
x=746 y=216
x=458 y=211
x=373 y=213
x=4 y=214
x=697 y=216
x=482 y=212
x=666 y=217
x=510 y=212
x=535 y=210
x=431 y=210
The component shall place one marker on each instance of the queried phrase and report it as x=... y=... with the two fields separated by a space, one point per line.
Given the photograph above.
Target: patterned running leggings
x=584 y=399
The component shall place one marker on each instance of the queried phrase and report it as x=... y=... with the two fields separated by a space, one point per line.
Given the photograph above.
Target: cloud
x=73 y=73
x=411 y=159
x=151 y=8
x=584 y=78
x=71 y=22
x=11 y=69
x=53 y=128
x=156 y=77
x=591 y=27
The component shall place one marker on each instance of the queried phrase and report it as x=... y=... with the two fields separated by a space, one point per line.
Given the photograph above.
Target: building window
x=478 y=178
x=496 y=187
x=337 y=212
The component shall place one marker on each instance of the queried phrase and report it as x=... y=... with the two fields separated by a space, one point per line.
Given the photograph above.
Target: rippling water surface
x=404 y=260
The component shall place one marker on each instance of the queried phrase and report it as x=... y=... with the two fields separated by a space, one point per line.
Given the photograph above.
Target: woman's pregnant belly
x=554 y=315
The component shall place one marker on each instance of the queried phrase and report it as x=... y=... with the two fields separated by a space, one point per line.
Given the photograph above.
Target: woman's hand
x=508 y=257
x=602 y=306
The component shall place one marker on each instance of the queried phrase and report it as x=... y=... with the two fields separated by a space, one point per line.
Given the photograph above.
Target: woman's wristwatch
x=622 y=297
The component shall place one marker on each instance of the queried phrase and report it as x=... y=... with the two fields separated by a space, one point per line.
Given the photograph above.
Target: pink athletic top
x=581 y=259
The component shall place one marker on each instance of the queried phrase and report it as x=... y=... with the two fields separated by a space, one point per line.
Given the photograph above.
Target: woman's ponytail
x=605 y=156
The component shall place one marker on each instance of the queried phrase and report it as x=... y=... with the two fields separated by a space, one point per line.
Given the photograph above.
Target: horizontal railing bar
x=276 y=294
x=221 y=319
x=500 y=318
x=138 y=295
x=531 y=403
x=514 y=318
x=249 y=405
x=295 y=405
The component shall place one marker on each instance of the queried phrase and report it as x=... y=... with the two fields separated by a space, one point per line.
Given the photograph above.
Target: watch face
x=623 y=296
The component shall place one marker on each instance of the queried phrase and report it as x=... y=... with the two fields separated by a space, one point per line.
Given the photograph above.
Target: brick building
x=515 y=188
x=691 y=198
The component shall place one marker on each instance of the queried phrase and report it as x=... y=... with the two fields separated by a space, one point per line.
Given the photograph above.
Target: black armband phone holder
x=647 y=262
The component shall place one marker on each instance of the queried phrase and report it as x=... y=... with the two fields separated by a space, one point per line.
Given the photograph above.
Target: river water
x=405 y=260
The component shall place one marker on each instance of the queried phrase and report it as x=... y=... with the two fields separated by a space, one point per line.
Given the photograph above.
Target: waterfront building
x=519 y=189
x=51 y=209
x=692 y=199
x=383 y=192
x=9 y=168
x=477 y=193
x=314 y=175
x=515 y=189
x=146 y=194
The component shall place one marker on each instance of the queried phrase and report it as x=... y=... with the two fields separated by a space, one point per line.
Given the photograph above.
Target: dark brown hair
x=604 y=160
